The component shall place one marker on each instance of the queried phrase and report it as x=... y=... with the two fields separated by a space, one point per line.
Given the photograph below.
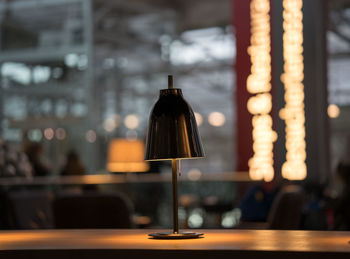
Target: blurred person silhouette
x=342 y=204
x=40 y=165
x=73 y=164
x=256 y=203
x=13 y=162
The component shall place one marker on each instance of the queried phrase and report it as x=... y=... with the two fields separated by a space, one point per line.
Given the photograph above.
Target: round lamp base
x=180 y=235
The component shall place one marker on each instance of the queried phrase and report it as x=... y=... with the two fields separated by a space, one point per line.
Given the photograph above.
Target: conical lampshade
x=172 y=129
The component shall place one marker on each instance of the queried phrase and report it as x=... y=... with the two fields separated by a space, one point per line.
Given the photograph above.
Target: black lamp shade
x=172 y=129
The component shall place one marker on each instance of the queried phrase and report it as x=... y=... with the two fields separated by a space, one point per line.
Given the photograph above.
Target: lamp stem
x=175 y=204
x=170 y=82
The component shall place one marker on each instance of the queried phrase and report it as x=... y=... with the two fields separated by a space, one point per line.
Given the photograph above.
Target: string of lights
x=259 y=85
x=294 y=168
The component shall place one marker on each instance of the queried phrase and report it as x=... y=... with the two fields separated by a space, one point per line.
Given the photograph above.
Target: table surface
x=242 y=240
x=120 y=178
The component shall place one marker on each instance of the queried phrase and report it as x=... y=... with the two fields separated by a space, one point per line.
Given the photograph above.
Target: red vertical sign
x=241 y=24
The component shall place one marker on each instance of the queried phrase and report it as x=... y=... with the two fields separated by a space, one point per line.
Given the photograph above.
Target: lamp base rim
x=171 y=235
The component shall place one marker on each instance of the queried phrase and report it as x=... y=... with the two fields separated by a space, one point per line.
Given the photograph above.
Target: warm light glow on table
x=293 y=113
x=258 y=83
x=137 y=239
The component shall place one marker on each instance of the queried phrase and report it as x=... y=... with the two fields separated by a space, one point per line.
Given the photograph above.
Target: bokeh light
x=131 y=121
x=90 y=136
x=333 y=111
x=216 y=119
x=194 y=174
x=35 y=135
x=109 y=124
x=60 y=134
x=49 y=133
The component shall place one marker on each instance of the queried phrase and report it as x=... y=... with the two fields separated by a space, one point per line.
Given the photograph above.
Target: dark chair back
x=31 y=209
x=287 y=208
x=92 y=210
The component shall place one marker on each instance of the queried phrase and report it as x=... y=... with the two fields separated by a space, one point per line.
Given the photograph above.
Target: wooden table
x=105 y=244
x=119 y=179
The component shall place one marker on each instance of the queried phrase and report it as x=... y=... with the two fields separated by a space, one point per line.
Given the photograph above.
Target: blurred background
x=78 y=79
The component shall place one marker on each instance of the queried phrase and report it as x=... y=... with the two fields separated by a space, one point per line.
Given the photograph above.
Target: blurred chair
x=31 y=209
x=92 y=210
x=287 y=209
x=285 y=213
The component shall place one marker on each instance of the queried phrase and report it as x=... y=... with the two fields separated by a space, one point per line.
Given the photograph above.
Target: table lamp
x=173 y=135
x=126 y=155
